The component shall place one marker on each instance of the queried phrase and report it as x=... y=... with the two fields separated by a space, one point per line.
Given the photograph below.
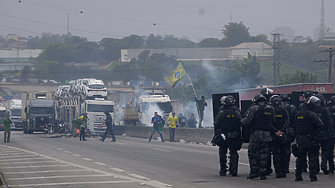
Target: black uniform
x=227 y=122
x=280 y=144
x=331 y=146
x=292 y=111
x=260 y=117
x=306 y=126
x=325 y=135
x=182 y=120
x=109 y=128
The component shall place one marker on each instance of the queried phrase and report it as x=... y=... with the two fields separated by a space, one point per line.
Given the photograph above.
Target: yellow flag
x=176 y=75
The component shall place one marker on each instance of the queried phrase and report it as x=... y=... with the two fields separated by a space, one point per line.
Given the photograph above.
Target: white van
x=94 y=89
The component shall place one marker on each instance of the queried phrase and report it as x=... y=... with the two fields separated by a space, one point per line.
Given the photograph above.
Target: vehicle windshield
x=99 y=108
x=96 y=86
x=2 y=113
x=41 y=110
x=16 y=112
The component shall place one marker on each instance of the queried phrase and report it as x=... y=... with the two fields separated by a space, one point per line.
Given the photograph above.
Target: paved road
x=38 y=160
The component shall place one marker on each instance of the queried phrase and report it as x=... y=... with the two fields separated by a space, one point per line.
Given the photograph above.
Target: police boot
x=252 y=176
x=222 y=172
x=324 y=169
x=313 y=177
x=331 y=170
x=298 y=177
x=233 y=172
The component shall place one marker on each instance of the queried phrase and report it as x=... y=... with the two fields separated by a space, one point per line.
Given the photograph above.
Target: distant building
x=13 y=66
x=317 y=32
x=19 y=55
x=46 y=35
x=13 y=37
x=329 y=37
x=286 y=32
x=260 y=49
x=182 y=54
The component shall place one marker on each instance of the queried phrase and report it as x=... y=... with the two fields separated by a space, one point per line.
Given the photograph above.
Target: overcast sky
x=195 y=19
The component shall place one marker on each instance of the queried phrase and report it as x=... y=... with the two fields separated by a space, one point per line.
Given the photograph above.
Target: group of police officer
x=273 y=124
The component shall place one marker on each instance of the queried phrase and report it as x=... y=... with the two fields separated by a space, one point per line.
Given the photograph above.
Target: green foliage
x=235 y=33
x=299 y=77
x=25 y=72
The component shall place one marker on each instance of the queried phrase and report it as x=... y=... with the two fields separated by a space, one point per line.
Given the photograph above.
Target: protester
x=192 y=122
x=181 y=120
x=155 y=120
x=109 y=127
x=81 y=124
x=7 y=122
x=173 y=121
x=201 y=103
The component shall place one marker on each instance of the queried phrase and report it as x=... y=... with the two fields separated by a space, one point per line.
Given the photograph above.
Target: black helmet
x=258 y=97
x=312 y=102
x=322 y=99
x=332 y=100
x=227 y=100
x=266 y=91
x=308 y=93
x=284 y=97
x=275 y=100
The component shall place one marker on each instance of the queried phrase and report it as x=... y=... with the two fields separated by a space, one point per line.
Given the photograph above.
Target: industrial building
x=19 y=55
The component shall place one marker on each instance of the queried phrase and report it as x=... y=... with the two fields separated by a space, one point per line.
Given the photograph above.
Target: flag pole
x=191 y=83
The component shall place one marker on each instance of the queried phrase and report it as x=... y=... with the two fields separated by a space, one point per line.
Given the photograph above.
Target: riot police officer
x=279 y=143
x=292 y=111
x=263 y=116
x=306 y=126
x=325 y=133
x=331 y=109
x=227 y=123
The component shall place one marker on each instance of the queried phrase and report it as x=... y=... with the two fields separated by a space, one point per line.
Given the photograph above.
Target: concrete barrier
x=187 y=134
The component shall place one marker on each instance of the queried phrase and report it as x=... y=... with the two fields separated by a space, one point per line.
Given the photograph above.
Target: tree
x=298 y=77
x=25 y=72
x=110 y=48
x=235 y=33
x=85 y=52
x=209 y=42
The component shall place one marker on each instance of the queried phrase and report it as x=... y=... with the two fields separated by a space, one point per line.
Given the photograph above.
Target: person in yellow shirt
x=173 y=121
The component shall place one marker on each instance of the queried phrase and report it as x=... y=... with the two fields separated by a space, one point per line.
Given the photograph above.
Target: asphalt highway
x=38 y=160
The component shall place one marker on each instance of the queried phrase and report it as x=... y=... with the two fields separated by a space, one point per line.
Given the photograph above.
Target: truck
x=38 y=111
x=95 y=112
x=14 y=113
x=140 y=113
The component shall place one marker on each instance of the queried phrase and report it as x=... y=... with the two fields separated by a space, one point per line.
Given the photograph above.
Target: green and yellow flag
x=176 y=75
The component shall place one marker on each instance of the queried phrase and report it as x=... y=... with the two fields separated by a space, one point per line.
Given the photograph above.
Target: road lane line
x=243 y=163
x=67 y=151
x=30 y=162
x=42 y=166
x=59 y=148
x=117 y=169
x=161 y=150
x=26 y=155
x=87 y=159
x=46 y=171
x=152 y=183
x=52 y=177
x=34 y=158
x=76 y=155
x=137 y=176
x=70 y=183
x=98 y=163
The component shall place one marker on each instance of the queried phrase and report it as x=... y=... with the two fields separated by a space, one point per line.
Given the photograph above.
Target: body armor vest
x=264 y=118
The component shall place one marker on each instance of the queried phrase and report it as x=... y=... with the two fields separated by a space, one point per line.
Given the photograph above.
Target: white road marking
x=76 y=155
x=47 y=171
x=59 y=148
x=137 y=176
x=34 y=158
x=161 y=150
x=152 y=183
x=87 y=159
x=42 y=166
x=13 y=153
x=243 y=163
x=67 y=152
x=30 y=162
x=25 y=155
x=70 y=183
x=98 y=163
x=51 y=177
x=117 y=169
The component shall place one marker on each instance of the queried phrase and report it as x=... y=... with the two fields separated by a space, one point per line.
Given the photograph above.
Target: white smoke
x=190 y=107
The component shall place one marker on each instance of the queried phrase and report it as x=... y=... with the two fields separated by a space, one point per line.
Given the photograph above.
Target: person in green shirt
x=7 y=122
x=81 y=124
x=173 y=121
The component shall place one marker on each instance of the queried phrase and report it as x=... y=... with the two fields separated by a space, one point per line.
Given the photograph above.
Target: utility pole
x=322 y=21
x=331 y=51
x=68 y=23
x=276 y=55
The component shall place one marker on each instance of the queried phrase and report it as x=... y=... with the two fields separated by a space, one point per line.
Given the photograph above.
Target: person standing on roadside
x=81 y=124
x=201 y=103
x=109 y=127
x=173 y=121
x=182 y=120
x=192 y=122
x=7 y=122
x=155 y=120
